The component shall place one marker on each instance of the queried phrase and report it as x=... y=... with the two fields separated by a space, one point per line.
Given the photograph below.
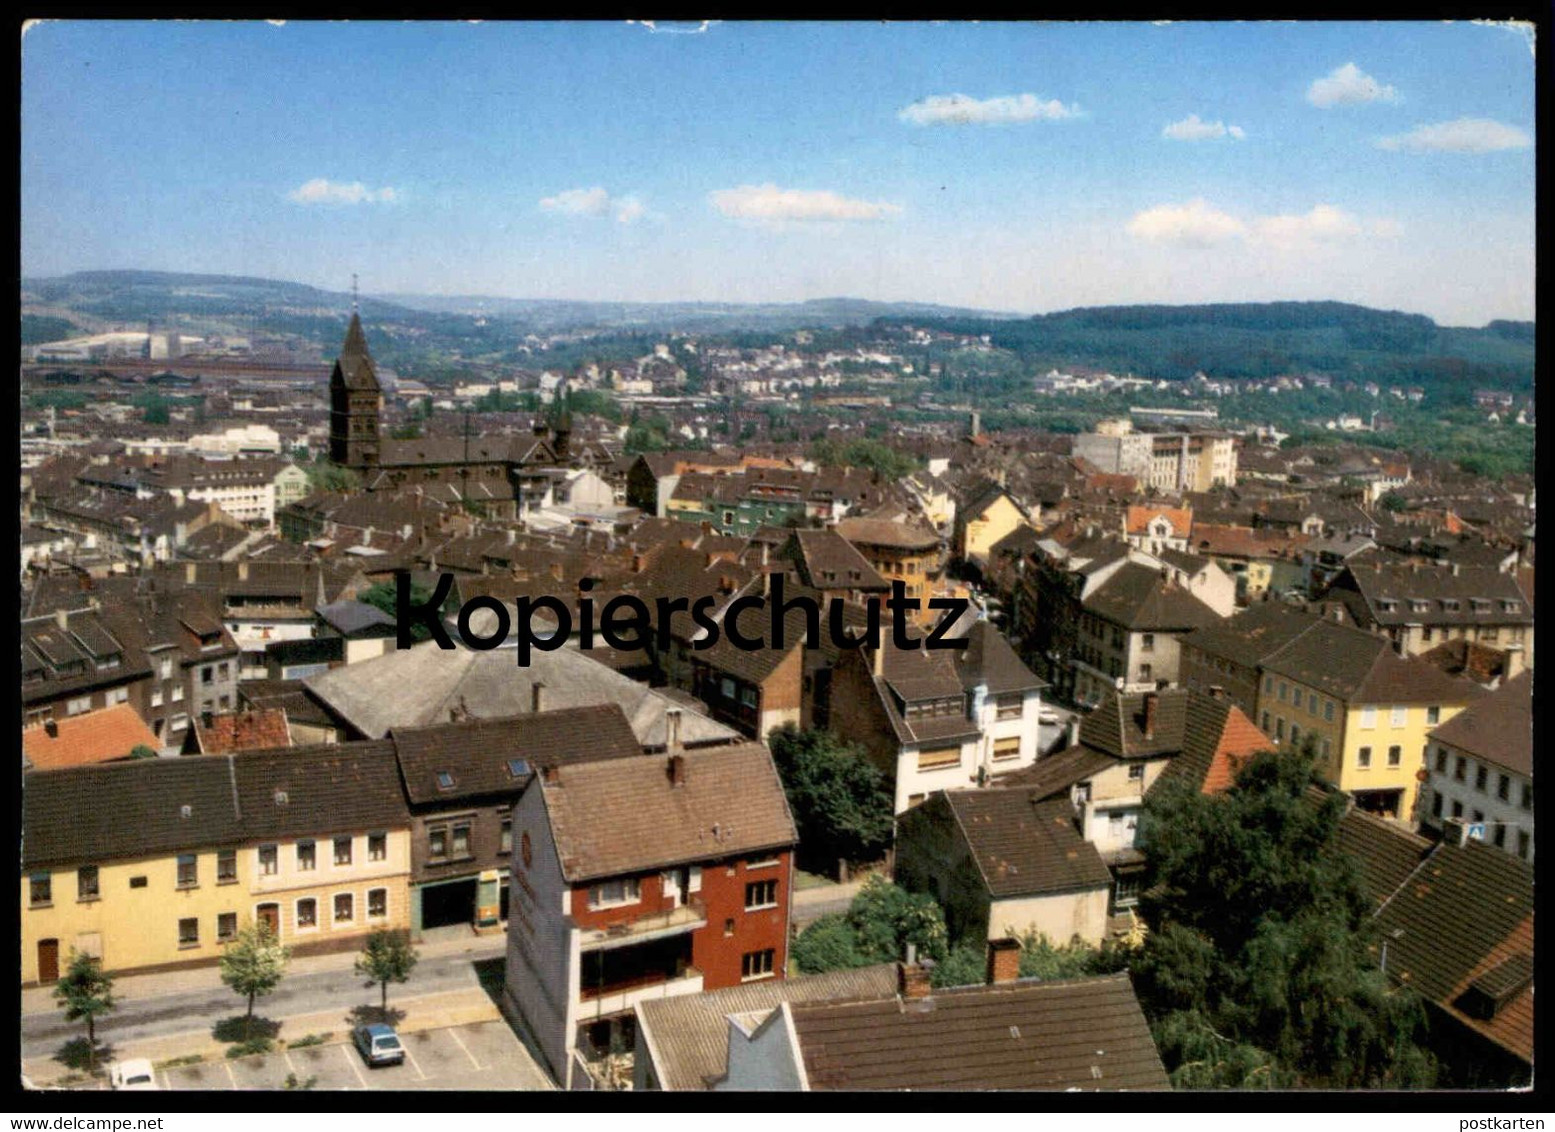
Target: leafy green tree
x=829 y=944
x=878 y=926
x=85 y=990
x=1256 y=970
x=841 y=801
x=886 y=918
x=253 y=965
x=325 y=476
x=382 y=596
x=387 y=957
x=141 y=751
x=965 y=965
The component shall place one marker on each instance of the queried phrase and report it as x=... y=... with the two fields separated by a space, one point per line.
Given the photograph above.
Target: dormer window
x=1450 y=604
x=1481 y=604
x=1416 y=605
x=1388 y=605
x=1511 y=607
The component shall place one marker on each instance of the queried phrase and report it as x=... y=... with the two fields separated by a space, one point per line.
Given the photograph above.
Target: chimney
x=1003 y=960
x=189 y=573
x=1456 y=568
x=52 y=727
x=677 y=770
x=537 y=696
x=62 y=619
x=550 y=775
x=913 y=981
x=1151 y=700
x=672 y=729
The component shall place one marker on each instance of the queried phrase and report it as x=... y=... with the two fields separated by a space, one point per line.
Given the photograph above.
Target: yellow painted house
x=1366 y=709
x=983 y=520
x=157 y=863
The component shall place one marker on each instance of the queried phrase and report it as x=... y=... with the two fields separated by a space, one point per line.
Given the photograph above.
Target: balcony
x=617 y=998
x=641 y=929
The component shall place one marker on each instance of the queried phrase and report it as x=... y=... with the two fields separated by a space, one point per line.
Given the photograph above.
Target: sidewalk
x=131 y=988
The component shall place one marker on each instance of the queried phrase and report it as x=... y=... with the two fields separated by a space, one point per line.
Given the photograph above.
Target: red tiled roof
x=96 y=737
x=254 y=730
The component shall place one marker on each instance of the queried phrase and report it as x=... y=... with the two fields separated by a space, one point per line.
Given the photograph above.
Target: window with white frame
x=1369 y=716
x=345 y=907
x=757 y=964
x=307 y=912
x=615 y=893
x=1363 y=758
x=377 y=903
x=79 y=705
x=1400 y=715
x=760 y=894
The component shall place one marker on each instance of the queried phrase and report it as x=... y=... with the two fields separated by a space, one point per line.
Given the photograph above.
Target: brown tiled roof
x=1502 y=969
x=1139 y=598
x=1469 y=659
x=1074 y=1034
x=338 y=787
x=625 y=816
x=1218 y=739
x=243 y=731
x=478 y=754
x=127 y=810
x=1498 y=729
x=1117 y=726
x=826 y=560
x=1385 y=853
x=884 y=532
x=1460 y=908
x=1047 y=777
x=96 y=737
x=1138 y=517
x=1252 y=634
x=688 y=1035
x=1360 y=667
x=989 y=659
x=1026 y=846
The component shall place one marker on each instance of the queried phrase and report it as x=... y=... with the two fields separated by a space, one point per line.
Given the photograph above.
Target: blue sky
x=1022 y=167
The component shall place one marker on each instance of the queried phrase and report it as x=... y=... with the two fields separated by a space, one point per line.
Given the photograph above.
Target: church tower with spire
x=355 y=403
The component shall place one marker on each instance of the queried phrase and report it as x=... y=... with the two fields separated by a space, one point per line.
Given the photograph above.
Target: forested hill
x=1263 y=340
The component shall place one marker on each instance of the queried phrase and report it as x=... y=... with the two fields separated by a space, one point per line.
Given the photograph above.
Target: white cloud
x=578 y=202
x=1197 y=224
x=768 y=202
x=960 y=109
x=1192 y=128
x=321 y=190
x=1348 y=86
x=595 y=202
x=1463 y=135
x=1323 y=223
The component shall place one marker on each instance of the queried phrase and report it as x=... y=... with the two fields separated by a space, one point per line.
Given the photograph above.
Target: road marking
x=351 y=1061
x=231 y=1075
x=454 y=1034
x=416 y=1065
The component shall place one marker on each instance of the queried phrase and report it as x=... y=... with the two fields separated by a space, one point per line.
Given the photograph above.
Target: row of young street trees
x=252 y=965
x=1255 y=969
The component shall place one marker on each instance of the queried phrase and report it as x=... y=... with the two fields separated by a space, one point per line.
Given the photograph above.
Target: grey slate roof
x=420 y=686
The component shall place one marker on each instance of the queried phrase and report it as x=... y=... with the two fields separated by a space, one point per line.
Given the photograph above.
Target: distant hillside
x=1264 y=340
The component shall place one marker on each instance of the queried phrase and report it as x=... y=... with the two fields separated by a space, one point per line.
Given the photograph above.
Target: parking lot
x=484 y=1055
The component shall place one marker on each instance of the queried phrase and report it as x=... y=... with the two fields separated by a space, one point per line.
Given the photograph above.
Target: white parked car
x=133 y=1075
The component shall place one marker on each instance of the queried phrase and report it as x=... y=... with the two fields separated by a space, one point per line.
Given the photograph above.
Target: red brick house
x=643 y=878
